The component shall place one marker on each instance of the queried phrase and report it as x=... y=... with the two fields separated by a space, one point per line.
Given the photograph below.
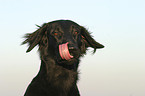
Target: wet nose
x=72 y=47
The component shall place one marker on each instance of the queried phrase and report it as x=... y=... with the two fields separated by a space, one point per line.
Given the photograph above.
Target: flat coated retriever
x=61 y=44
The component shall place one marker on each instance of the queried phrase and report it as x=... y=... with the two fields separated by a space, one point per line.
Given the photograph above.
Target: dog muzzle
x=64 y=52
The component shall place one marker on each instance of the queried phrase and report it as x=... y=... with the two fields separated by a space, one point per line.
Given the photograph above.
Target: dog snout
x=72 y=47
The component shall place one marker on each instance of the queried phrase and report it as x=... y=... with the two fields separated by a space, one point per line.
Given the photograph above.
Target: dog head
x=63 y=40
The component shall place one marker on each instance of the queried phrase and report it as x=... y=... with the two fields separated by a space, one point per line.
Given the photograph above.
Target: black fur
x=58 y=77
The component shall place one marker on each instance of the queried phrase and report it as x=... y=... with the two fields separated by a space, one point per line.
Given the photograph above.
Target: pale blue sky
x=116 y=70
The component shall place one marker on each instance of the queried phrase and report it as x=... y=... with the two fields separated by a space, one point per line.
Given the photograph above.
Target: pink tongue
x=64 y=52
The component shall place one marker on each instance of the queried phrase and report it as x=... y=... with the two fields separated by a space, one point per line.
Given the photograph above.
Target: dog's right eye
x=55 y=33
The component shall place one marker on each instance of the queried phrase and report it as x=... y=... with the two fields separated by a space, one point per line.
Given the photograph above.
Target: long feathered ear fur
x=89 y=41
x=34 y=38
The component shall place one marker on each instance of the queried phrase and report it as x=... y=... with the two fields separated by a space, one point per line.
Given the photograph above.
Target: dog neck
x=53 y=72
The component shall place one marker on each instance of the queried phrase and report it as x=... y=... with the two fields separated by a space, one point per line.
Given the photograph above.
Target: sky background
x=116 y=70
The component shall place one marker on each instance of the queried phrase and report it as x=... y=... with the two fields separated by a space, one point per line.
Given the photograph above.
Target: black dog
x=61 y=44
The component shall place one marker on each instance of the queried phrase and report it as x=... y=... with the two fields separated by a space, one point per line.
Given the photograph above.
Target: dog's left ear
x=34 y=38
x=89 y=41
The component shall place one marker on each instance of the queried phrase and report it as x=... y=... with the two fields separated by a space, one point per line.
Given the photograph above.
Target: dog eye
x=76 y=33
x=55 y=33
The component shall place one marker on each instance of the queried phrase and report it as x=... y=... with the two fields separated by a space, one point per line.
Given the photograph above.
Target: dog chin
x=68 y=62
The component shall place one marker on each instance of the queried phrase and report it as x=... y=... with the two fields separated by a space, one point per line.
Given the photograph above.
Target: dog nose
x=72 y=47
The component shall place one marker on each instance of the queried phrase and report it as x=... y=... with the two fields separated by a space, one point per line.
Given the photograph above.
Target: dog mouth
x=64 y=52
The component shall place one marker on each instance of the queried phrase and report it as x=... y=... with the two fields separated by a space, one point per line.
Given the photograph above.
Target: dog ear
x=34 y=38
x=89 y=41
